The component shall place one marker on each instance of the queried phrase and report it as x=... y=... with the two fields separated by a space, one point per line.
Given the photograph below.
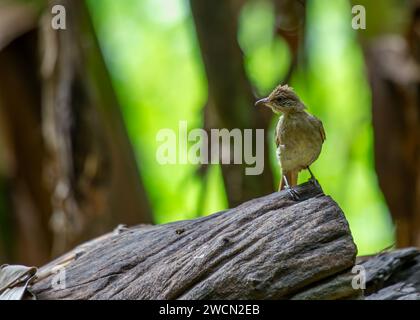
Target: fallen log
x=268 y=248
x=389 y=275
x=393 y=275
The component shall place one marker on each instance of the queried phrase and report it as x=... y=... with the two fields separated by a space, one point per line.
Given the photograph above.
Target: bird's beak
x=261 y=102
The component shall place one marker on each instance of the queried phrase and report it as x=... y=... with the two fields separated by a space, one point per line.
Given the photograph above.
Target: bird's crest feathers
x=283 y=92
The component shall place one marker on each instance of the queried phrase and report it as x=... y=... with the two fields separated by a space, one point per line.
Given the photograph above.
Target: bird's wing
x=322 y=131
x=320 y=127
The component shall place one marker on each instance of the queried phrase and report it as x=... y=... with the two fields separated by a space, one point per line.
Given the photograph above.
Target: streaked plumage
x=299 y=135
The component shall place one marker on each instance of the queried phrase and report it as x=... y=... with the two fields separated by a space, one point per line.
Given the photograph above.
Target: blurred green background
x=152 y=52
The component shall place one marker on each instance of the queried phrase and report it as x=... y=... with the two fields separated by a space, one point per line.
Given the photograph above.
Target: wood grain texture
x=394 y=275
x=390 y=275
x=267 y=248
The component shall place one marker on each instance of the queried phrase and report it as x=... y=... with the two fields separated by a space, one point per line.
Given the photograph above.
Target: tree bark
x=268 y=248
x=25 y=235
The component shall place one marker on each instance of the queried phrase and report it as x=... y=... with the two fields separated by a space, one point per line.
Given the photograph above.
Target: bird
x=299 y=136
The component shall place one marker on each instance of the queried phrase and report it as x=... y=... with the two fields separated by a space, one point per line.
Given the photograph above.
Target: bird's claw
x=314 y=181
x=293 y=193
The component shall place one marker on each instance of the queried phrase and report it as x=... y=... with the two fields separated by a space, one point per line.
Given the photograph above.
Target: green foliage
x=338 y=91
x=267 y=57
x=385 y=16
x=151 y=50
x=155 y=62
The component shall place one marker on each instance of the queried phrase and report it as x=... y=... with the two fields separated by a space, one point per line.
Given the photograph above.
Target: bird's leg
x=310 y=172
x=293 y=193
x=312 y=179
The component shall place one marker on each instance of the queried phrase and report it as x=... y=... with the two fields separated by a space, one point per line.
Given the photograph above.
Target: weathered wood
x=267 y=248
x=394 y=275
x=333 y=288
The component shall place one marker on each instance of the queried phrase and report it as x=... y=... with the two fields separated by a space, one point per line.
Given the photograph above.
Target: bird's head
x=283 y=99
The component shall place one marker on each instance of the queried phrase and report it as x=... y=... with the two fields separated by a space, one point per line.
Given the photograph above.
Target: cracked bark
x=268 y=248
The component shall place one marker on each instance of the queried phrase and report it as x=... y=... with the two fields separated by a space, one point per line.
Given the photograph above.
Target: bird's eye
x=283 y=102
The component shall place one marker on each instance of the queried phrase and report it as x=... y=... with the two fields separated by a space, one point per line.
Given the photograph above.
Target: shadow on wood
x=268 y=248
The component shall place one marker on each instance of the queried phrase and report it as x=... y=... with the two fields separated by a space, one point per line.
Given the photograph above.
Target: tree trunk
x=231 y=100
x=394 y=62
x=70 y=169
x=92 y=169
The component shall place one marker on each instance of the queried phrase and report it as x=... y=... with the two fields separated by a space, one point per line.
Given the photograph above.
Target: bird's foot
x=293 y=193
x=314 y=181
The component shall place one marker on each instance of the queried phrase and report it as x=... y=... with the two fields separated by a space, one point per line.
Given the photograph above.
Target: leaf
x=14 y=280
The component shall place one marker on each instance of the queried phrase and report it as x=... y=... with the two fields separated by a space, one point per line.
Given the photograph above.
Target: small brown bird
x=299 y=135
